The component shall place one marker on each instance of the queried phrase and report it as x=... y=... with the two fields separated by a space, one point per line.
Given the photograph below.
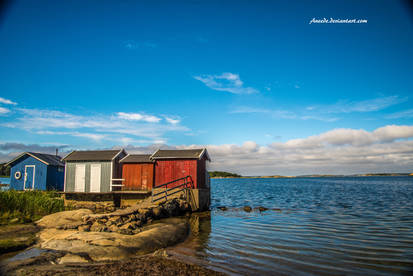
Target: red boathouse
x=171 y=165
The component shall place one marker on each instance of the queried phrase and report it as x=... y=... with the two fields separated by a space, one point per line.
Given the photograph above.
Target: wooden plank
x=105 y=177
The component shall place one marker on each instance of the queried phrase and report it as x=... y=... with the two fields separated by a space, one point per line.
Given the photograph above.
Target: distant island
x=222 y=174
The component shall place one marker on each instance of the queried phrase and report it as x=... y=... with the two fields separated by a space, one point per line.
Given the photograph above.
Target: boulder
x=84 y=228
x=71 y=258
x=133 y=217
x=172 y=208
x=262 y=209
x=113 y=228
x=157 y=212
x=98 y=227
x=102 y=246
x=64 y=220
x=128 y=225
x=247 y=209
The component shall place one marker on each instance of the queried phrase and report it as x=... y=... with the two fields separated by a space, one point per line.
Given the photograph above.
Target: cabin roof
x=136 y=158
x=181 y=154
x=92 y=155
x=48 y=159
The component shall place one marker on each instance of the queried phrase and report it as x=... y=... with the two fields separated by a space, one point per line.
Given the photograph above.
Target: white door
x=80 y=178
x=95 y=178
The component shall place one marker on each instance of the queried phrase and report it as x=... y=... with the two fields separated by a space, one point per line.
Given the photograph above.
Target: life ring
x=17 y=175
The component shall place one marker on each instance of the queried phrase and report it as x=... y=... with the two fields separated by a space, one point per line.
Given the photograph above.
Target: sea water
x=313 y=226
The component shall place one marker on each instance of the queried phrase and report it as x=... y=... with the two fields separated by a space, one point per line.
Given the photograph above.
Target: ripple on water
x=321 y=226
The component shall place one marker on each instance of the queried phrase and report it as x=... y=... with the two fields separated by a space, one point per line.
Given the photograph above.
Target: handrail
x=176 y=180
x=187 y=180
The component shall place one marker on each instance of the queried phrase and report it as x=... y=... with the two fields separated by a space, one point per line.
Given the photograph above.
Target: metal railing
x=167 y=192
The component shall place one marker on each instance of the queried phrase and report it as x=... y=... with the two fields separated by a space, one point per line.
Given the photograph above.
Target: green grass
x=28 y=206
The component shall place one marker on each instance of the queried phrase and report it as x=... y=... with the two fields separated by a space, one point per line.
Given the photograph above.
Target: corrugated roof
x=48 y=159
x=136 y=158
x=92 y=155
x=180 y=154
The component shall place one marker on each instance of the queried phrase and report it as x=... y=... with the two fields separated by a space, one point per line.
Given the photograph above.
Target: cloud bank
x=121 y=126
x=339 y=151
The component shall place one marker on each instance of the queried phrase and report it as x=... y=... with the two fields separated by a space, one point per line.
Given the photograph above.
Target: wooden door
x=95 y=171
x=80 y=178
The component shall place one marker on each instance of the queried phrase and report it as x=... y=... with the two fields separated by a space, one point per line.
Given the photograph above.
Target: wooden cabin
x=93 y=171
x=171 y=165
x=36 y=171
x=137 y=172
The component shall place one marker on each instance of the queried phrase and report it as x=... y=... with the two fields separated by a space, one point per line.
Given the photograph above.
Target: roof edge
x=28 y=153
x=204 y=151
x=151 y=157
x=118 y=153
x=124 y=158
x=64 y=158
x=16 y=158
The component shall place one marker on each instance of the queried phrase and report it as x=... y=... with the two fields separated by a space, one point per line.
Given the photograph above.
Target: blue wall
x=55 y=178
x=45 y=177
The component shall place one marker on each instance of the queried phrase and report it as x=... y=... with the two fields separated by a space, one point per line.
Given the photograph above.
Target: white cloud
x=4 y=110
x=173 y=121
x=228 y=82
x=6 y=101
x=138 y=117
x=95 y=127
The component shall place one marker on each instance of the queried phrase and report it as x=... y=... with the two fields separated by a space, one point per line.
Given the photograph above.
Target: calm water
x=320 y=226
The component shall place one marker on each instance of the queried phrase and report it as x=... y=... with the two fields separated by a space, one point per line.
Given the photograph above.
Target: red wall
x=137 y=177
x=169 y=170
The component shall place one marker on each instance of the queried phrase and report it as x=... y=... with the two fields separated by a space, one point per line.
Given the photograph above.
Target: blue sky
x=240 y=77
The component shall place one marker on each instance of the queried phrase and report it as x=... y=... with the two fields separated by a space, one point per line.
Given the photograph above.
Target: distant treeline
x=4 y=170
x=223 y=174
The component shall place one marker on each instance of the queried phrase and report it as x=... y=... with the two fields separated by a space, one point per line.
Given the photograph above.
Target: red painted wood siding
x=169 y=170
x=137 y=176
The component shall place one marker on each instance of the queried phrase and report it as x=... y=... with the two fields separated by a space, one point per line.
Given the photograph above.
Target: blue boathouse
x=36 y=171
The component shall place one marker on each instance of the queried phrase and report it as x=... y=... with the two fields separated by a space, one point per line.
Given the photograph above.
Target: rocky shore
x=80 y=241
